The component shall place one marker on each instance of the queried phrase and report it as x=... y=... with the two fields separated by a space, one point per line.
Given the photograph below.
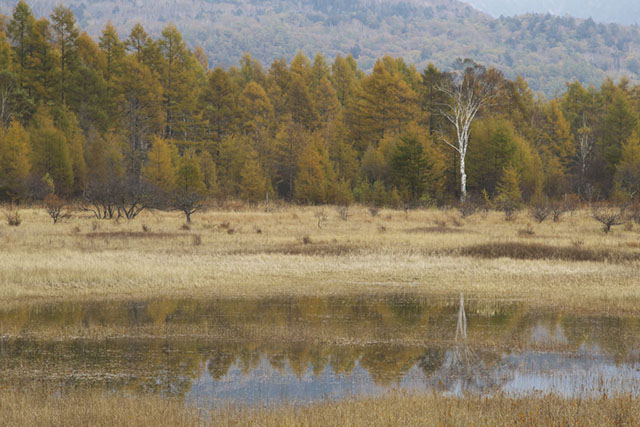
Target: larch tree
x=15 y=163
x=219 y=105
x=315 y=174
x=628 y=170
x=159 y=170
x=65 y=34
x=190 y=190
x=384 y=103
x=467 y=93
x=139 y=109
x=113 y=49
x=51 y=153
x=19 y=29
x=253 y=182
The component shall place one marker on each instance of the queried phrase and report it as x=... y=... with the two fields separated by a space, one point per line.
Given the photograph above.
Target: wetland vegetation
x=263 y=314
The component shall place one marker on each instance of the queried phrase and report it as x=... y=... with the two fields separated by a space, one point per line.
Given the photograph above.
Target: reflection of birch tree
x=461 y=369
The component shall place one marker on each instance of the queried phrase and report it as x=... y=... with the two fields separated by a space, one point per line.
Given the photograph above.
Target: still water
x=263 y=351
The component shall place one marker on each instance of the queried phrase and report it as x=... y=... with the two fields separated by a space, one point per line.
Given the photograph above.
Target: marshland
x=327 y=241
x=319 y=315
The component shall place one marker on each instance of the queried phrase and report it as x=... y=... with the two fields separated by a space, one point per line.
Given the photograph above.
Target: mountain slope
x=546 y=50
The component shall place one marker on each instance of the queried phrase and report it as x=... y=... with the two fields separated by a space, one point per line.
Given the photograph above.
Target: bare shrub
x=540 y=208
x=510 y=209
x=321 y=216
x=374 y=211
x=343 y=212
x=608 y=216
x=56 y=208
x=527 y=232
x=634 y=212
x=13 y=217
x=577 y=243
x=571 y=203
x=467 y=208
x=558 y=209
x=455 y=221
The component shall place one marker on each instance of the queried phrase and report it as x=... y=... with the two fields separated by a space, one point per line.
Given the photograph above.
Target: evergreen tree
x=410 y=168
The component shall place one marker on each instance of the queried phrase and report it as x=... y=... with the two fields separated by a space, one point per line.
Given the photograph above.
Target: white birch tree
x=467 y=93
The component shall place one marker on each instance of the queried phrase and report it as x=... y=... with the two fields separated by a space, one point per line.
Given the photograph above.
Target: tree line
x=128 y=124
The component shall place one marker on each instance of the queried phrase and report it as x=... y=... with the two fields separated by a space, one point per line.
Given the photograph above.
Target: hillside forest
x=544 y=49
x=127 y=123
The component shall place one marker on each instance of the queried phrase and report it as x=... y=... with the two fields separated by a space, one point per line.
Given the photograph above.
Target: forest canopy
x=124 y=123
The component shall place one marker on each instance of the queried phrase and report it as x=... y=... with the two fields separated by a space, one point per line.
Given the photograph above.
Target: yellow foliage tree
x=159 y=169
x=15 y=164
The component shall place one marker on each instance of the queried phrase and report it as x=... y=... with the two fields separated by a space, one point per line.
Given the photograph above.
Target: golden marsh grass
x=285 y=251
x=29 y=408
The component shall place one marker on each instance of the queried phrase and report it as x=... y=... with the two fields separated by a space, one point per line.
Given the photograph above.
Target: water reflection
x=262 y=351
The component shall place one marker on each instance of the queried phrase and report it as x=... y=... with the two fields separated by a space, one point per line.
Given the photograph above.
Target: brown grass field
x=285 y=251
x=311 y=251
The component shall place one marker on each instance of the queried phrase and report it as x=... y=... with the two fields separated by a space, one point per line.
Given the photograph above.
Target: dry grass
x=536 y=251
x=30 y=408
x=87 y=259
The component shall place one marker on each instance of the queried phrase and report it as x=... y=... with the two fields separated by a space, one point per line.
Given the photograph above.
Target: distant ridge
x=546 y=50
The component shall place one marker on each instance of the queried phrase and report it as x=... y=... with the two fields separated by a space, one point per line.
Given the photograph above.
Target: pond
x=265 y=351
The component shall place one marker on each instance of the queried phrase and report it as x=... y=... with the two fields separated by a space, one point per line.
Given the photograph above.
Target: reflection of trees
x=387 y=336
x=460 y=369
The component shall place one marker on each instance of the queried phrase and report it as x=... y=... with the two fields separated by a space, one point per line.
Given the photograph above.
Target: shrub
x=608 y=216
x=321 y=216
x=13 y=217
x=467 y=208
x=344 y=213
x=56 y=208
x=540 y=207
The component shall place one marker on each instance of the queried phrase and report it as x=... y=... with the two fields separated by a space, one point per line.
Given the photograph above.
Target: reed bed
x=29 y=408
